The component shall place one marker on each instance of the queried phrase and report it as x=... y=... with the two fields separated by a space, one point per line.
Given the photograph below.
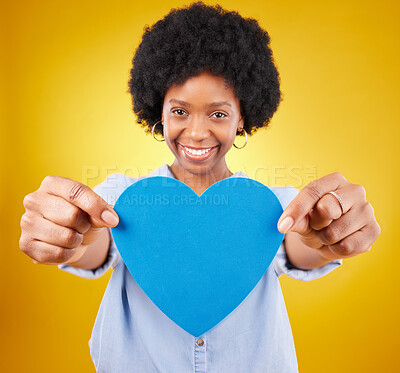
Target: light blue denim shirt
x=131 y=334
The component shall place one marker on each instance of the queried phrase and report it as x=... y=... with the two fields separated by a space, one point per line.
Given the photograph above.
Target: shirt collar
x=165 y=170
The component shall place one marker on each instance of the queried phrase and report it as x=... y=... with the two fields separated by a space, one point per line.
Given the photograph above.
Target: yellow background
x=65 y=111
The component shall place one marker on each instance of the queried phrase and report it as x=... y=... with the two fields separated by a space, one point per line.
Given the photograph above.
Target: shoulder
x=284 y=194
x=113 y=186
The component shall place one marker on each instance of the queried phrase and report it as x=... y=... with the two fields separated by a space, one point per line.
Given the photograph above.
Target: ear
x=240 y=126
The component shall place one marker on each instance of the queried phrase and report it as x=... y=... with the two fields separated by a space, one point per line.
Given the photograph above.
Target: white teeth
x=197 y=152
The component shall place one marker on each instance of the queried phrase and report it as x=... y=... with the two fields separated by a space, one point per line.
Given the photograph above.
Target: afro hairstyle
x=201 y=37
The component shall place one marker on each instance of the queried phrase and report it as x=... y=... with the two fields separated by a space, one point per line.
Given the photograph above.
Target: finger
x=101 y=214
x=347 y=224
x=305 y=200
x=61 y=212
x=52 y=233
x=46 y=253
x=324 y=212
x=328 y=207
x=354 y=244
x=92 y=235
x=318 y=220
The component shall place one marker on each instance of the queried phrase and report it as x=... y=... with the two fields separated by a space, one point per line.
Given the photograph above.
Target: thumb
x=100 y=213
x=110 y=217
x=288 y=223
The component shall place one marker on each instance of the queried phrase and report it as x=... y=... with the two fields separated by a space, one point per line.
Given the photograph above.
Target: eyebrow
x=220 y=103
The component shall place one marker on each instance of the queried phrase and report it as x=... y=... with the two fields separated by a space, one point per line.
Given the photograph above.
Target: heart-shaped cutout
x=197 y=258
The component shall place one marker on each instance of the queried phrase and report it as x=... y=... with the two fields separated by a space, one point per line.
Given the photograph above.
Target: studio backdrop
x=65 y=111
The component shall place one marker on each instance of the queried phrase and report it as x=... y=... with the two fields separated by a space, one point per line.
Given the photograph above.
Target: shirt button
x=200 y=342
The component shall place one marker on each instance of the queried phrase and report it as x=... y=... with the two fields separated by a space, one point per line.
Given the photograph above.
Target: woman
x=200 y=76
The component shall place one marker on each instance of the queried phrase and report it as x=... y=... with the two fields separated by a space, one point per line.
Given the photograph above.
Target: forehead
x=202 y=87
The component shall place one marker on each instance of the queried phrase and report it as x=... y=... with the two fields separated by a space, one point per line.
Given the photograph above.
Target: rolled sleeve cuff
x=112 y=260
x=282 y=265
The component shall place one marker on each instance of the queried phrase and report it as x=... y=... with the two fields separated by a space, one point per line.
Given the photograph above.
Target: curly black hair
x=201 y=37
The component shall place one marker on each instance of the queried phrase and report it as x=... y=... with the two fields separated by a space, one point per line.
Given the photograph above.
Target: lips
x=197 y=157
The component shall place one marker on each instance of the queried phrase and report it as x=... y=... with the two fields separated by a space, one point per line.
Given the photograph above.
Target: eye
x=218 y=112
x=176 y=110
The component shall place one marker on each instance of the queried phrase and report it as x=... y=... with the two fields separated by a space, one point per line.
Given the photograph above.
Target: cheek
x=226 y=137
x=170 y=135
x=170 y=132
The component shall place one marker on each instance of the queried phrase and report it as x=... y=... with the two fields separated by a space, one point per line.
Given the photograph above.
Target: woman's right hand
x=61 y=219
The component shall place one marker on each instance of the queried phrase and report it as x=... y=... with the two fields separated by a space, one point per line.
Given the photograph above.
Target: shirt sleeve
x=110 y=189
x=281 y=263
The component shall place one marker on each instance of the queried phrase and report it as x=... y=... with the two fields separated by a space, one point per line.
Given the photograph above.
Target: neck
x=200 y=181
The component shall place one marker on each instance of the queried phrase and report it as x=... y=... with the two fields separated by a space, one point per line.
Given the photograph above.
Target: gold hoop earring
x=152 y=131
x=245 y=133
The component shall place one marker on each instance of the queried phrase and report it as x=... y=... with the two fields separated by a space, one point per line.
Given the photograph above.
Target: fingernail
x=285 y=224
x=109 y=217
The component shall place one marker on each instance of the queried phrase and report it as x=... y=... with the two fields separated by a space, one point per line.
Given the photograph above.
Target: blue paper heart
x=197 y=258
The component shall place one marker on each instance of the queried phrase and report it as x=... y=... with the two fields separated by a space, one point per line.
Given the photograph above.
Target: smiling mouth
x=197 y=154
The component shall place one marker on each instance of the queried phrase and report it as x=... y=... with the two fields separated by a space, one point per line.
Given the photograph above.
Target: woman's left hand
x=318 y=218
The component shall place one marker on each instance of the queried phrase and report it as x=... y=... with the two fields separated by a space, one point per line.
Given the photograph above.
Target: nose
x=197 y=130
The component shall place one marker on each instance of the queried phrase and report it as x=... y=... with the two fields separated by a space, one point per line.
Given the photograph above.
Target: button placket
x=200 y=354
